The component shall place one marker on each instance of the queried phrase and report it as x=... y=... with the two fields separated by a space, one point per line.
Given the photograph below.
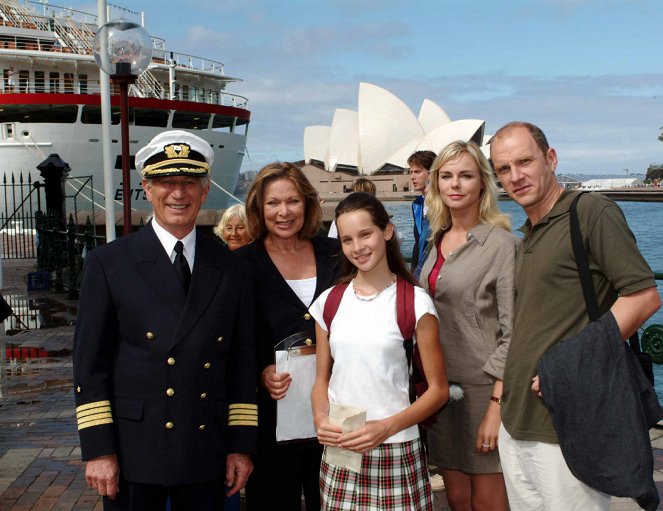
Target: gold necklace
x=371 y=298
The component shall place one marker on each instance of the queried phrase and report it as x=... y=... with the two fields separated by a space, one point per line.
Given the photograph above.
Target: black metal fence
x=21 y=199
x=27 y=231
x=62 y=248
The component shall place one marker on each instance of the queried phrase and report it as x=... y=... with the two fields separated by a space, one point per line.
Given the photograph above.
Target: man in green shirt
x=550 y=308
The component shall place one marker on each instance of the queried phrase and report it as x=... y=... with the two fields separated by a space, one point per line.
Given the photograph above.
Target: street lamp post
x=123 y=50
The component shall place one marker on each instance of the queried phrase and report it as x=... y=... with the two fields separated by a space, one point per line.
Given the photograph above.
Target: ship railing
x=144 y=87
x=54 y=11
x=78 y=37
x=185 y=61
x=147 y=86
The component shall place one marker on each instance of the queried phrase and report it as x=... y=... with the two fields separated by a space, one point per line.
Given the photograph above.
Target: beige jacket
x=474 y=298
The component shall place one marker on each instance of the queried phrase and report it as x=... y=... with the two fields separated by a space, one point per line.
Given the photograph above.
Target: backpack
x=406 y=319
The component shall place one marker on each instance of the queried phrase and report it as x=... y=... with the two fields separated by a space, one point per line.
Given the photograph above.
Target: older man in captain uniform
x=164 y=350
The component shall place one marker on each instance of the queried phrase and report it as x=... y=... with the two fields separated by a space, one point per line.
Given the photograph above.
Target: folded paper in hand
x=350 y=418
x=294 y=415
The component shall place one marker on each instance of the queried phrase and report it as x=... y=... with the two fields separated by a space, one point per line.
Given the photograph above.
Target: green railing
x=651 y=339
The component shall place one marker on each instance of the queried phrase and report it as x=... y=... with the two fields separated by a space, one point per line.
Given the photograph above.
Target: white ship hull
x=49 y=104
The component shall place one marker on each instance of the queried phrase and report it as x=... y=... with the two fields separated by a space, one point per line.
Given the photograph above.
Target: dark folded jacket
x=602 y=406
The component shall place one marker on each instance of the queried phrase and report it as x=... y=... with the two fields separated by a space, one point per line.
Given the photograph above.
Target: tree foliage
x=654 y=172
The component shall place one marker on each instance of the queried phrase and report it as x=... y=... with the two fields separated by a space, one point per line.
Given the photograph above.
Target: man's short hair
x=422 y=158
x=534 y=130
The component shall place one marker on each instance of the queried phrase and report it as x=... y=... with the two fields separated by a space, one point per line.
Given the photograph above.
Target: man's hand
x=103 y=475
x=238 y=470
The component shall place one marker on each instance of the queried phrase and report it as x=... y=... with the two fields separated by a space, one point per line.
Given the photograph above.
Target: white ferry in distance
x=50 y=103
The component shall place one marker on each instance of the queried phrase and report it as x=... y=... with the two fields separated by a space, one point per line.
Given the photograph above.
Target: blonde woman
x=232 y=227
x=469 y=275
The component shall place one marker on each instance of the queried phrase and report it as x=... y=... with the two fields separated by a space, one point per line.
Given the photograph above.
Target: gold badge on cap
x=177 y=150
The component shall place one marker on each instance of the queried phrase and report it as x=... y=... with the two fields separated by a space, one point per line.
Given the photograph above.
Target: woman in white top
x=362 y=363
x=291 y=266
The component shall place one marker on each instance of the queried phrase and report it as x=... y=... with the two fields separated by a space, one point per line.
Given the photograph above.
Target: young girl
x=363 y=364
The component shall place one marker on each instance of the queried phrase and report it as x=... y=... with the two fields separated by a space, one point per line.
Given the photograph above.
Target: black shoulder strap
x=583 y=264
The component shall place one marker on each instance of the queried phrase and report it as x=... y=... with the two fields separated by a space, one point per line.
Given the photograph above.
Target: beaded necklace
x=373 y=297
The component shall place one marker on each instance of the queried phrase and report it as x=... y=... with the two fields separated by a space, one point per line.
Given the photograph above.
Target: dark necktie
x=181 y=266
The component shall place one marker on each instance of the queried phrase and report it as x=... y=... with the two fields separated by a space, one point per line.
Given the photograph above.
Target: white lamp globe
x=125 y=43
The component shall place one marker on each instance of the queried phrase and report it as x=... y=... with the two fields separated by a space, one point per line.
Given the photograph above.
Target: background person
x=469 y=274
x=291 y=266
x=420 y=163
x=164 y=354
x=360 y=184
x=232 y=227
x=362 y=363
x=550 y=307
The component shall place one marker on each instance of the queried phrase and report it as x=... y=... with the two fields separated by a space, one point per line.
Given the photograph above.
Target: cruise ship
x=50 y=104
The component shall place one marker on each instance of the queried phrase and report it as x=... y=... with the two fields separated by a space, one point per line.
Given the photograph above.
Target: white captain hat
x=175 y=153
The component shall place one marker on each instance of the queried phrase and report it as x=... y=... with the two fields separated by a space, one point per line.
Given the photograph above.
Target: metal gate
x=21 y=199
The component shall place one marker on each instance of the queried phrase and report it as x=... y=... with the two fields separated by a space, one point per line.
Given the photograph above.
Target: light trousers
x=537 y=478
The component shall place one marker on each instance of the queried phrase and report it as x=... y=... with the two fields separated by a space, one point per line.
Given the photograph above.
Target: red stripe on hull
x=95 y=99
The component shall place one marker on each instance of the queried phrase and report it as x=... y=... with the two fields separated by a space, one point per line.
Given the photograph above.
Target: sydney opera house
x=376 y=140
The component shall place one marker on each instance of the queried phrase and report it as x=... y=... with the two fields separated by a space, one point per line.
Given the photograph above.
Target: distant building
x=334 y=186
x=612 y=183
x=568 y=181
x=381 y=135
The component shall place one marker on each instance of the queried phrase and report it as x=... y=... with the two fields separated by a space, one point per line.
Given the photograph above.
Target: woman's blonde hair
x=235 y=211
x=255 y=198
x=439 y=216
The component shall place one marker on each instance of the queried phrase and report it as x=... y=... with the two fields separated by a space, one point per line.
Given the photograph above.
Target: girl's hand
x=328 y=434
x=488 y=429
x=276 y=384
x=368 y=437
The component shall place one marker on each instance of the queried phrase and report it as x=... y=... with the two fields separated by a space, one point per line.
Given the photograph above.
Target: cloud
x=593 y=129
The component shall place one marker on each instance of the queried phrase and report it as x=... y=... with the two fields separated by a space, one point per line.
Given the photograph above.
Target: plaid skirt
x=393 y=477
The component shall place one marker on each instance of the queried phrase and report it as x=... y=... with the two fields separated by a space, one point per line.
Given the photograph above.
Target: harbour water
x=644 y=218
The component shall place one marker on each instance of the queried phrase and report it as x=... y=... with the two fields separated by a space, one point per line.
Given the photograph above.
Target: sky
x=588 y=72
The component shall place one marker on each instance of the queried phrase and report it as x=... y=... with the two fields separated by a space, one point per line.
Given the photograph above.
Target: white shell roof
x=316 y=143
x=431 y=116
x=384 y=130
x=344 y=139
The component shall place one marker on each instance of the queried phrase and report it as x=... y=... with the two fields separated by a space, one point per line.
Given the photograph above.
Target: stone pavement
x=40 y=467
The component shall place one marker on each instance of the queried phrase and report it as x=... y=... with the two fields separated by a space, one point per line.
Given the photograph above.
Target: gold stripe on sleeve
x=94 y=414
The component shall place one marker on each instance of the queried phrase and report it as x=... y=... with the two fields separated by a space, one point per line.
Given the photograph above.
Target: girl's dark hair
x=362 y=201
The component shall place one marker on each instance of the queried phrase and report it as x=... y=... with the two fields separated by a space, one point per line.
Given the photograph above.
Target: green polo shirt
x=549 y=302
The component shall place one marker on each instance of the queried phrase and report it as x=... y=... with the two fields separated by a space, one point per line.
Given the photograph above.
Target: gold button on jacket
x=149 y=336
x=170 y=392
x=170 y=425
x=207 y=365
x=171 y=361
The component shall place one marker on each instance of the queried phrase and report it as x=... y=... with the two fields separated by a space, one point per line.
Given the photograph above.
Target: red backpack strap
x=332 y=303
x=405 y=315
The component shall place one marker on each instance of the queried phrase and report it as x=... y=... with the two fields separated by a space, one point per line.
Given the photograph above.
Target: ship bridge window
x=191 y=120
x=151 y=117
x=24 y=80
x=223 y=122
x=241 y=126
x=39 y=113
x=54 y=82
x=40 y=84
x=82 y=84
x=92 y=115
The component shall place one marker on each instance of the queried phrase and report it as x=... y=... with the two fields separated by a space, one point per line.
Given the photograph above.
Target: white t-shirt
x=370 y=367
